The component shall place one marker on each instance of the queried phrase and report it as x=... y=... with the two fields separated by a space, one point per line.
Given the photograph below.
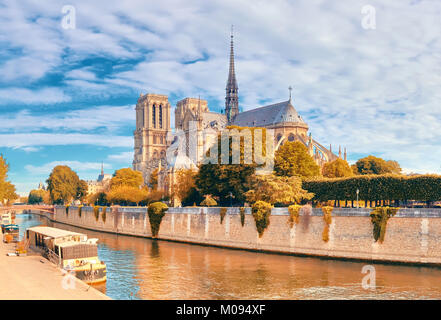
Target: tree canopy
x=38 y=196
x=375 y=165
x=126 y=177
x=277 y=190
x=293 y=159
x=337 y=169
x=64 y=185
x=7 y=189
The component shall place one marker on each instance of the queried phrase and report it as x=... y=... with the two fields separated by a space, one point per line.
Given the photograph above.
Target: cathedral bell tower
x=152 y=127
x=231 y=97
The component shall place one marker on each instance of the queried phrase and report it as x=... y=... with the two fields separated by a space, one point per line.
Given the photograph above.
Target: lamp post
x=358 y=191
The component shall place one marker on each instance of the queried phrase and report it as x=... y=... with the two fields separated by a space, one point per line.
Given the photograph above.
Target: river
x=139 y=268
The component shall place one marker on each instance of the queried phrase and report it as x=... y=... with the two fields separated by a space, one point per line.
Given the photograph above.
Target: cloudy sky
x=67 y=95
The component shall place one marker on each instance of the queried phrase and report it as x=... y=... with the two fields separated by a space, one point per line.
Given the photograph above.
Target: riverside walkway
x=34 y=278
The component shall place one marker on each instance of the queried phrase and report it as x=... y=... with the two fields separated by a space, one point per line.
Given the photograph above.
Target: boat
x=71 y=251
x=10 y=233
x=6 y=218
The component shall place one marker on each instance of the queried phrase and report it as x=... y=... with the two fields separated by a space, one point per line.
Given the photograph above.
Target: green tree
x=63 y=185
x=375 y=165
x=277 y=190
x=126 y=177
x=7 y=189
x=82 y=190
x=229 y=182
x=293 y=159
x=337 y=169
x=37 y=196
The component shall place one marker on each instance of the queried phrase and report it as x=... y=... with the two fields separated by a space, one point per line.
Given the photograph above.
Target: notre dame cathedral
x=153 y=134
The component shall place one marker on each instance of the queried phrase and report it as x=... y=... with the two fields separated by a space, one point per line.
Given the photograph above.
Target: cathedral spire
x=231 y=97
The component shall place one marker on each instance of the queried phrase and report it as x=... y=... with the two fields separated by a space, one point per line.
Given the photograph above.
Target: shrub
x=67 y=210
x=80 y=209
x=328 y=220
x=208 y=202
x=103 y=214
x=156 y=211
x=223 y=212
x=294 y=214
x=261 y=211
x=242 y=216
x=379 y=218
x=96 y=212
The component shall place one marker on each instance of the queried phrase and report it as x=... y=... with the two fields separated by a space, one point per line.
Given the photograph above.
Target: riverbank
x=412 y=236
x=34 y=278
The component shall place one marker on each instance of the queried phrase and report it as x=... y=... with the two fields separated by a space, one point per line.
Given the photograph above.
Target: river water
x=139 y=268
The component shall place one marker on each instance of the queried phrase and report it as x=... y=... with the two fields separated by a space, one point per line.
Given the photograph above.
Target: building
x=153 y=137
x=99 y=185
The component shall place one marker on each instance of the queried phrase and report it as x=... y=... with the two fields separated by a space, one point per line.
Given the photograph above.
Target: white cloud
x=110 y=118
x=27 y=96
x=78 y=166
x=123 y=157
x=22 y=140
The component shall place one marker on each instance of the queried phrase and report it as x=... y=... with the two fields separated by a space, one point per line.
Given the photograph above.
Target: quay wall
x=412 y=236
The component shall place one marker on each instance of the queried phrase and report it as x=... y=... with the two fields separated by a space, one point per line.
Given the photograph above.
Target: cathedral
x=154 y=138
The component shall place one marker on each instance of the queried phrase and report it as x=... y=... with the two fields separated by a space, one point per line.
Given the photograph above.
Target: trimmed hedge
x=376 y=187
x=156 y=211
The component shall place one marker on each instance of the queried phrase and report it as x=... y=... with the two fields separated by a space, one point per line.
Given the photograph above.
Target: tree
x=277 y=190
x=375 y=165
x=63 y=185
x=337 y=169
x=98 y=198
x=229 y=182
x=293 y=159
x=394 y=167
x=7 y=189
x=208 y=202
x=126 y=195
x=82 y=190
x=126 y=177
x=184 y=188
x=38 y=196
x=153 y=183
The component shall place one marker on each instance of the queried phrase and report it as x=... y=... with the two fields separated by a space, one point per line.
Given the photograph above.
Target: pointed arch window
x=154 y=115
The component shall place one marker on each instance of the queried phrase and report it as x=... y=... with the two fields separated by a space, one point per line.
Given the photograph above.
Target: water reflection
x=144 y=269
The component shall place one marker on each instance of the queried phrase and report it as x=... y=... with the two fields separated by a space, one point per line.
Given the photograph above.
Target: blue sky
x=67 y=96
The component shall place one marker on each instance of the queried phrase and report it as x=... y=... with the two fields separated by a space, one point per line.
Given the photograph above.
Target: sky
x=366 y=80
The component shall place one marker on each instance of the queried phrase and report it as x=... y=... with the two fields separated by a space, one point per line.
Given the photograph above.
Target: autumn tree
x=7 y=189
x=126 y=177
x=64 y=185
x=337 y=169
x=153 y=182
x=38 y=196
x=293 y=159
x=277 y=190
x=228 y=183
x=126 y=195
x=184 y=187
x=375 y=165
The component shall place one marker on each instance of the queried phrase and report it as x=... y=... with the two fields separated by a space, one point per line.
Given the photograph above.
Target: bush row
x=376 y=187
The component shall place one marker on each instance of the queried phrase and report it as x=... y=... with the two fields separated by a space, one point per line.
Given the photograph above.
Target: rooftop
x=54 y=232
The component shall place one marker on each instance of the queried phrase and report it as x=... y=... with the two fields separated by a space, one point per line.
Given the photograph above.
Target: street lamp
x=358 y=191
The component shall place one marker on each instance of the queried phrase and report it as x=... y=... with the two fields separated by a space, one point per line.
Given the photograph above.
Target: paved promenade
x=35 y=278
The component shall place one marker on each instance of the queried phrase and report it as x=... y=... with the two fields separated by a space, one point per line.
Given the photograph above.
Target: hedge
x=376 y=187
